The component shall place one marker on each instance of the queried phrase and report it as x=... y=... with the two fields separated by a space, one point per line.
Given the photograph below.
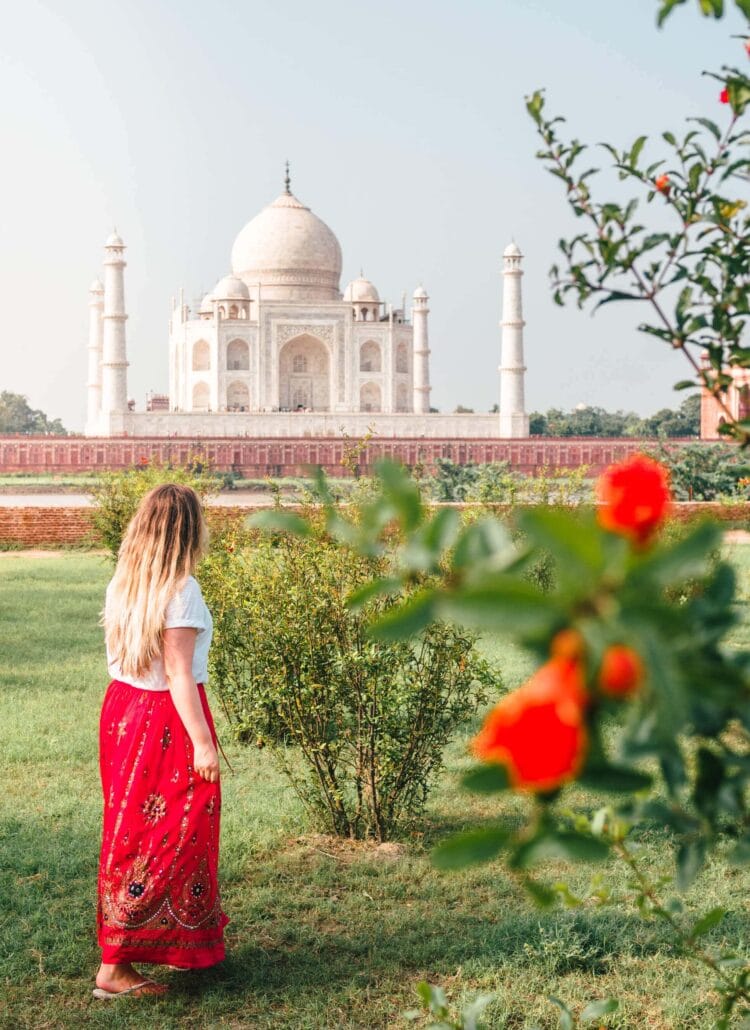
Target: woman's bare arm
x=179 y=645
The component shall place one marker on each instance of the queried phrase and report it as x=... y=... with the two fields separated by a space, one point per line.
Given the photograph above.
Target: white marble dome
x=290 y=252
x=361 y=291
x=512 y=250
x=230 y=288
x=207 y=305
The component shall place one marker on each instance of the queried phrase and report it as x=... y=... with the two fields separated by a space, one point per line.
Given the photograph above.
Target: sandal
x=103 y=995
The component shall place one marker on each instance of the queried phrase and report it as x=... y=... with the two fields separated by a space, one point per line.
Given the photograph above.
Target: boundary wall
x=256 y=458
x=34 y=526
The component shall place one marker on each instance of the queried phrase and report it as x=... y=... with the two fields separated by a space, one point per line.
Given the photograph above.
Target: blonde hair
x=163 y=543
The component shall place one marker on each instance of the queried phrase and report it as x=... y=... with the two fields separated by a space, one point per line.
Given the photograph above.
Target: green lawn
x=323 y=935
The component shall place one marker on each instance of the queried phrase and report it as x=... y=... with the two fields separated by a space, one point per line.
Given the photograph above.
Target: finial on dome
x=287 y=182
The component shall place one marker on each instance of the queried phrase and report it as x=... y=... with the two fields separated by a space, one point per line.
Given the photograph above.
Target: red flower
x=661 y=182
x=539 y=731
x=568 y=643
x=747 y=47
x=634 y=497
x=724 y=96
x=622 y=672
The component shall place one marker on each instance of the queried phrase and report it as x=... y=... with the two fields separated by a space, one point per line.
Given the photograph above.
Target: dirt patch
x=737 y=536
x=345 y=851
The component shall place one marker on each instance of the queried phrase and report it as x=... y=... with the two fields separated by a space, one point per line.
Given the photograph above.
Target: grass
x=323 y=934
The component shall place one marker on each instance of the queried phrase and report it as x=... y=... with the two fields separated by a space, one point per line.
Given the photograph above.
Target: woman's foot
x=124 y=977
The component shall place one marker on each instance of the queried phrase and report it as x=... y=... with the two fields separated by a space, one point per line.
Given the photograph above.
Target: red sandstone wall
x=35 y=527
x=287 y=457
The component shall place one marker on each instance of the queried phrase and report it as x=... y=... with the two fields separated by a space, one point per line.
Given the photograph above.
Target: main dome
x=290 y=252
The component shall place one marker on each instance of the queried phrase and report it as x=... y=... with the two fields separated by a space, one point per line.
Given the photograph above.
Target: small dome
x=230 y=288
x=512 y=250
x=421 y=293
x=96 y=287
x=207 y=305
x=290 y=252
x=361 y=290
x=115 y=240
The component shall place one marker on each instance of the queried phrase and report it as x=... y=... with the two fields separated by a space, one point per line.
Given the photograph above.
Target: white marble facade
x=275 y=344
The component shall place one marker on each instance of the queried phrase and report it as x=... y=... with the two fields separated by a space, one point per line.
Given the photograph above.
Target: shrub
x=117 y=495
x=293 y=664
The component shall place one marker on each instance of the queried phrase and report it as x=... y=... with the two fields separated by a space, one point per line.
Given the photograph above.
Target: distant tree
x=701 y=472
x=17 y=416
x=461 y=410
x=594 y=421
x=495 y=409
x=686 y=421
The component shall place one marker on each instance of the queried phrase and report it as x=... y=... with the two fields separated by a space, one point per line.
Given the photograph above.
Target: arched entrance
x=369 y=397
x=238 y=397
x=304 y=375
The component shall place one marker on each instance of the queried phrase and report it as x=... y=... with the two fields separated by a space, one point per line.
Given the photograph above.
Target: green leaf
x=277 y=521
x=486 y=779
x=542 y=895
x=597 y=1009
x=406 y=619
x=708 y=922
x=470 y=848
x=690 y=858
x=577 y=549
x=401 y=490
x=689 y=558
x=486 y=542
x=377 y=588
x=566 y=1016
x=565 y=844
x=685 y=384
x=501 y=603
x=616 y=779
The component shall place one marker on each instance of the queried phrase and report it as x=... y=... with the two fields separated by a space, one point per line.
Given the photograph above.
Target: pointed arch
x=305 y=374
x=238 y=355
x=238 y=396
x=370 y=359
x=201 y=397
x=201 y=356
x=370 y=397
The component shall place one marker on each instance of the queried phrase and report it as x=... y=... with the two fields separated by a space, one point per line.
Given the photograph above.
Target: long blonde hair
x=163 y=543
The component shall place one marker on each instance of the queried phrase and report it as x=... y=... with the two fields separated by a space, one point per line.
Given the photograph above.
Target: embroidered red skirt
x=158 y=896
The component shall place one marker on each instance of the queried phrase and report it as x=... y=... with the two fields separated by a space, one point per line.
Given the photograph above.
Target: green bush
x=116 y=495
x=358 y=725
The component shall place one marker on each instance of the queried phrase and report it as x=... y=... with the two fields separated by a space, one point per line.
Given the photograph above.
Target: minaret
x=419 y=313
x=94 y=384
x=114 y=361
x=514 y=422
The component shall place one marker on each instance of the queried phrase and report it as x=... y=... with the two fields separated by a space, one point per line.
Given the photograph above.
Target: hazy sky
x=405 y=126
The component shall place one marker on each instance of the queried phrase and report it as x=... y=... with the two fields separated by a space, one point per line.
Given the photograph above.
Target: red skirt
x=158 y=896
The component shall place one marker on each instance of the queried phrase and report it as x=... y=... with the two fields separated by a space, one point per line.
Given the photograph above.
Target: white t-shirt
x=187 y=608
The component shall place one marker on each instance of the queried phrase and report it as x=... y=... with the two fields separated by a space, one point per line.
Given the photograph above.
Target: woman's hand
x=206 y=762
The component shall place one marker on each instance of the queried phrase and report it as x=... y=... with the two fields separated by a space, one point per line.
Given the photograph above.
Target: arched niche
x=238 y=397
x=304 y=375
x=402 y=397
x=402 y=358
x=201 y=397
x=370 y=397
x=201 y=356
x=238 y=356
x=370 y=359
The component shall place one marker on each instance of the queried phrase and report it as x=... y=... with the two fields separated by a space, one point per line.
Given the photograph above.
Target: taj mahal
x=276 y=349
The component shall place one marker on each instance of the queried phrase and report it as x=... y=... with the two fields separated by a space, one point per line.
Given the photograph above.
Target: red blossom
x=661 y=182
x=622 y=672
x=539 y=731
x=724 y=96
x=747 y=47
x=634 y=498
x=568 y=643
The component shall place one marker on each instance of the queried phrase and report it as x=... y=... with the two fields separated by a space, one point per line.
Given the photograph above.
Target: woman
x=158 y=894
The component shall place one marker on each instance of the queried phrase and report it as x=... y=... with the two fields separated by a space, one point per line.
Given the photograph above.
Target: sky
x=406 y=130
